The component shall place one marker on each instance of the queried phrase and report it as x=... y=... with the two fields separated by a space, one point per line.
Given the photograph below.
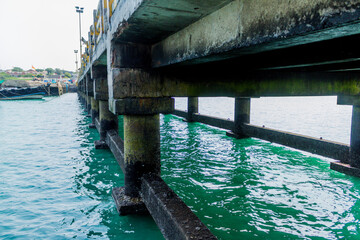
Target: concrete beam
x=348 y=100
x=321 y=147
x=317 y=146
x=345 y=168
x=202 y=82
x=149 y=21
x=247 y=27
x=116 y=145
x=355 y=138
x=142 y=106
x=100 y=83
x=175 y=220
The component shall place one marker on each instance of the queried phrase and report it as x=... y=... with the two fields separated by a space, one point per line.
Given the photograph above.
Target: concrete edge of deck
x=174 y=218
x=345 y=168
x=325 y=148
x=116 y=145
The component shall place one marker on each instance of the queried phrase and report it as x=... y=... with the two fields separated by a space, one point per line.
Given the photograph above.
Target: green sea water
x=55 y=185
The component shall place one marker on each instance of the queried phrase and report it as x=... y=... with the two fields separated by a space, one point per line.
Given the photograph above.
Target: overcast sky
x=42 y=33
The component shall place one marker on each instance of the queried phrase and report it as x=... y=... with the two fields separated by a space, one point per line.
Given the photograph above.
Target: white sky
x=42 y=33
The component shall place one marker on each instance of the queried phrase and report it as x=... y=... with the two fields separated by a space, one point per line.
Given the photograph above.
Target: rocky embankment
x=20 y=84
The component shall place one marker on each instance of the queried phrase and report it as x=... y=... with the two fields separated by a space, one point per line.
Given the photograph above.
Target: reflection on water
x=54 y=185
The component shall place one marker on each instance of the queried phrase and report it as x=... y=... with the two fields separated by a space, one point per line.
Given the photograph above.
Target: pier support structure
x=138 y=65
x=94 y=112
x=107 y=120
x=193 y=108
x=241 y=117
x=355 y=138
x=141 y=122
x=89 y=92
x=351 y=164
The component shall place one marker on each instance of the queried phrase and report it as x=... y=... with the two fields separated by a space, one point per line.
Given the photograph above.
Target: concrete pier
x=241 y=116
x=140 y=55
x=355 y=138
x=141 y=150
x=108 y=121
x=193 y=108
x=94 y=112
x=351 y=165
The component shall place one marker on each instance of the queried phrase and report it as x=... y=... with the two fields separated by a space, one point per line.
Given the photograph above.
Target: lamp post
x=80 y=10
x=76 y=51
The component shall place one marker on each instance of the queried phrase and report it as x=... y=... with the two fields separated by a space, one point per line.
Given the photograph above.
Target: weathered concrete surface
x=244 y=27
x=202 y=82
x=150 y=21
x=126 y=205
x=192 y=108
x=348 y=100
x=209 y=120
x=142 y=106
x=108 y=121
x=241 y=116
x=141 y=150
x=89 y=86
x=100 y=85
x=355 y=138
x=175 y=220
x=94 y=112
x=321 y=147
x=345 y=168
x=116 y=145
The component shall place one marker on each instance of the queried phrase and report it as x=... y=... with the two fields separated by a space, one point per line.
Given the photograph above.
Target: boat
x=22 y=93
x=21 y=97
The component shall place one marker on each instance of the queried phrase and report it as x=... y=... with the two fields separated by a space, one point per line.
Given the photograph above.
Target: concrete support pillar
x=141 y=150
x=193 y=107
x=355 y=138
x=241 y=115
x=88 y=105
x=94 y=111
x=108 y=121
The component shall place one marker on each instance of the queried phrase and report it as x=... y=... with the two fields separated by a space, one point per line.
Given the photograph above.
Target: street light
x=76 y=51
x=80 y=10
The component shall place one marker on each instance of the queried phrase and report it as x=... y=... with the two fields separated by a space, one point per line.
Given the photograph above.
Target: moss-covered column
x=94 y=111
x=88 y=105
x=355 y=138
x=193 y=107
x=108 y=121
x=141 y=150
x=241 y=116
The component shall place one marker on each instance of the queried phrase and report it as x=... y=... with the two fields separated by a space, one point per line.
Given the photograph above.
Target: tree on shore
x=58 y=71
x=17 y=69
x=50 y=71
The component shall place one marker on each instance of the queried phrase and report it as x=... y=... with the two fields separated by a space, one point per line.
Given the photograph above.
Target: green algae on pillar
x=141 y=150
x=108 y=121
x=94 y=111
